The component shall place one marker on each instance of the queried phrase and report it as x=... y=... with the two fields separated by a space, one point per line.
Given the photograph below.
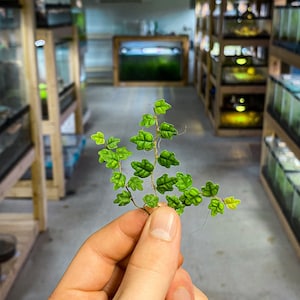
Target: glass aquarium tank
x=150 y=61
x=294 y=178
x=244 y=65
x=65 y=81
x=279 y=163
x=270 y=159
x=284 y=105
x=242 y=111
x=15 y=138
x=246 y=24
x=295 y=117
x=286 y=33
x=52 y=13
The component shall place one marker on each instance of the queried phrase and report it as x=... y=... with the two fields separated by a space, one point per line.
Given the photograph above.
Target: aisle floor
x=241 y=255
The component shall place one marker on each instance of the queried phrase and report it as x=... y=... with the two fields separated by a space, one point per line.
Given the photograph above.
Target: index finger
x=94 y=263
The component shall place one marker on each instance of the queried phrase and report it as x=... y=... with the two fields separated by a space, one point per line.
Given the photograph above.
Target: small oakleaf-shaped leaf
x=165 y=183
x=143 y=141
x=216 y=206
x=110 y=157
x=142 y=169
x=167 y=131
x=191 y=196
x=123 y=198
x=135 y=183
x=112 y=142
x=184 y=181
x=210 y=189
x=118 y=179
x=167 y=159
x=151 y=200
x=123 y=153
x=161 y=107
x=174 y=202
x=231 y=202
x=98 y=138
x=148 y=120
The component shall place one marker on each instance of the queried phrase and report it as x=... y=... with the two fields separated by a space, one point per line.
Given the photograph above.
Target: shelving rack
x=201 y=48
x=278 y=132
x=25 y=227
x=57 y=112
x=219 y=79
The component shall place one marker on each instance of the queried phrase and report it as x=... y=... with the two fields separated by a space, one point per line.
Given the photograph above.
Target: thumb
x=154 y=262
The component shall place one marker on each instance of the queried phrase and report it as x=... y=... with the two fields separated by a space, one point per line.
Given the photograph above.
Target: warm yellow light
x=241 y=61
x=240 y=108
x=251 y=71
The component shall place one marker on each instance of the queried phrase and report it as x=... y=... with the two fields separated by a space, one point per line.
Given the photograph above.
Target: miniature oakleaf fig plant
x=146 y=140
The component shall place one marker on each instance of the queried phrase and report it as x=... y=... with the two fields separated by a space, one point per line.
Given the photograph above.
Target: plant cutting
x=175 y=190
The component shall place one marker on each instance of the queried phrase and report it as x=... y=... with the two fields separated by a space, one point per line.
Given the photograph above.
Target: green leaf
x=161 y=107
x=143 y=141
x=135 y=183
x=174 y=202
x=151 y=200
x=110 y=157
x=165 y=183
x=142 y=169
x=112 y=142
x=118 y=179
x=191 y=196
x=231 y=202
x=210 y=189
x=148 y=120
x=98 y=138
x=167 y=159
x=184 y=181
x=167 y=131
x=123 y=153
x=216 y=206
x=123 y=198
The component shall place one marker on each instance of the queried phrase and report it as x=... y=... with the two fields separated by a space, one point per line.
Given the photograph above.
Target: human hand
x=134 y=257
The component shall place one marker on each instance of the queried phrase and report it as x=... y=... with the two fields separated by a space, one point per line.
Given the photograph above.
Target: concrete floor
x=241 y=255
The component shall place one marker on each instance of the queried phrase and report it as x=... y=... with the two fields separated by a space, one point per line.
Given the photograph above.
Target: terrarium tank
x=65 y=81
x=15 y=137
x=150 y=61
x=11 y=70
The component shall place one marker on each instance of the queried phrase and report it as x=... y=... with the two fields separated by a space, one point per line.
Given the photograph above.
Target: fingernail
x=181 y=294
x=163 y=225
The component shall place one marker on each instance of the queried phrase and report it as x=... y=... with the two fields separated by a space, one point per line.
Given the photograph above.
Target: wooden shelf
x=246 y=42
x=99 y=36
x=26 y=230
x=16 y=173
x=23 y=189
x=279 y=57
x=273 y=127
x=280 y=215
x=216 y=82
x=26 y=227
x=287 y=56
x=56 y=187
x=56 y=34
